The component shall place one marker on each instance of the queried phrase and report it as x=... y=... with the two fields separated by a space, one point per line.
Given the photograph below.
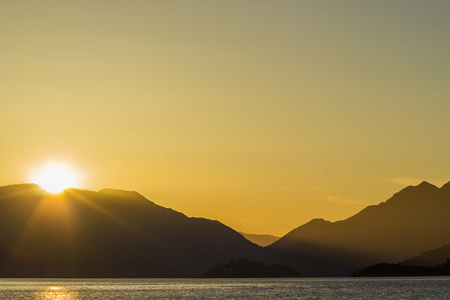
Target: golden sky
x=260 y=114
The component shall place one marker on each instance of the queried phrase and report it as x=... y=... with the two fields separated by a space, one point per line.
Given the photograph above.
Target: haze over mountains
x=429 y=258
x=114 y=233
x=260 y=239
x=429 y=263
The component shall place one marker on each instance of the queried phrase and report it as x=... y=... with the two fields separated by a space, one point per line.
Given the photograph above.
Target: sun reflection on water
x=57 y=293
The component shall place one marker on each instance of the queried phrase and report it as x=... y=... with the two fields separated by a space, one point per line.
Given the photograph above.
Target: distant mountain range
x=414 y=220
x=114 y=233
x=260 y=239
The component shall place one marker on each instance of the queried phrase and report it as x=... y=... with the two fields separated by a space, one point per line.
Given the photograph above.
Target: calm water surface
x=299 y=288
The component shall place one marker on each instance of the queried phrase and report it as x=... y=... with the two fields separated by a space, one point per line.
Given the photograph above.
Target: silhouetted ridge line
x=118 y=192
x=412 y=221
x=114 y=233
x=108 y=233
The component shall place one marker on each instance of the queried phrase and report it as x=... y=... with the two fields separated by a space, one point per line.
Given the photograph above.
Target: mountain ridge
x=410 y=222
x=108 y=233
x=116 y=233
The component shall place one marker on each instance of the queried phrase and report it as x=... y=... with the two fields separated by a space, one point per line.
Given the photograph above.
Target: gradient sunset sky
x=260 y=114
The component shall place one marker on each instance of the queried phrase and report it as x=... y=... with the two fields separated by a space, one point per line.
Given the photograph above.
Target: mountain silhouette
x=109 y=233
x=113 y=233
x=412 y=221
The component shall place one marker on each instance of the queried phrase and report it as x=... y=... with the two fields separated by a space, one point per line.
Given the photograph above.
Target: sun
x=56 y=177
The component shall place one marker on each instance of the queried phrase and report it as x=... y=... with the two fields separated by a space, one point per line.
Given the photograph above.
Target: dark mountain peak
x=423 y=186
x=410 y=198
x=414 y=193
x=427 y=185
x=314 y=224
x=318 y=222
x=311 y=226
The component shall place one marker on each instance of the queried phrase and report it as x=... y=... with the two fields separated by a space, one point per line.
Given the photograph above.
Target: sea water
x=293 y=288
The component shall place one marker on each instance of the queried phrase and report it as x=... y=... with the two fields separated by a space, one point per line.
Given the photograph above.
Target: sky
x=260 y=114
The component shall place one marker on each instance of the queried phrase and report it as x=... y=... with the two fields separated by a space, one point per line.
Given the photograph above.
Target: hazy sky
x=260 y=114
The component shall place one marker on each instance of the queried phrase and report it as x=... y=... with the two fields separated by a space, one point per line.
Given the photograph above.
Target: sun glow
x=56 y=177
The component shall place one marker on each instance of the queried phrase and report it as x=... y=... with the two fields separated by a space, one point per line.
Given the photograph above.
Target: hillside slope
x=109 y=233
x=411 y=222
